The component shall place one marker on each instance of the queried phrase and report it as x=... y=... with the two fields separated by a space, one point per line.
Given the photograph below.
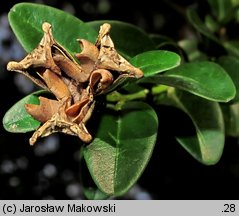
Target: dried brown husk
x=74 y=85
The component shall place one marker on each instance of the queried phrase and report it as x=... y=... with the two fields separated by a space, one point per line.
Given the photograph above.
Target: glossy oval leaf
x=156 y=61
x=231 y=65
x=122 y=147
x=17 y=120
x=26 y=21
x=205 y=79
x=207 y=144
x=90 y=190
x=129 y=40
x=197 y=23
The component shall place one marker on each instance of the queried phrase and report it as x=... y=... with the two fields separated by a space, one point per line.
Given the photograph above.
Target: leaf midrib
x=118 y=123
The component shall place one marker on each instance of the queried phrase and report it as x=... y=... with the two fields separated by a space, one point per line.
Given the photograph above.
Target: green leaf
x=232 y=47
x=205 y=79
x=94 y=194
x=17 y=120
x=231 y=65
x=122 y=147
x=221 y=8
x=153 y=62
x=235 y=3
x=159 y=40
x=211 y=24
x=207 y=144
x=26 y=21
x=231 y=119
x=90 y=190
x=129 y=40
x=197 y=23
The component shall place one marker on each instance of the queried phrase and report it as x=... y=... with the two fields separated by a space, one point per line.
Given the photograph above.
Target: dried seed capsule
x=56 y=85
x=100 y=80
x=110 y=59
x=88 y=55
x=71 y=69
x=45 y=110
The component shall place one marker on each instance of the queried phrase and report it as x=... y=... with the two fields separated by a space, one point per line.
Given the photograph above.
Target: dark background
x=51 y=169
